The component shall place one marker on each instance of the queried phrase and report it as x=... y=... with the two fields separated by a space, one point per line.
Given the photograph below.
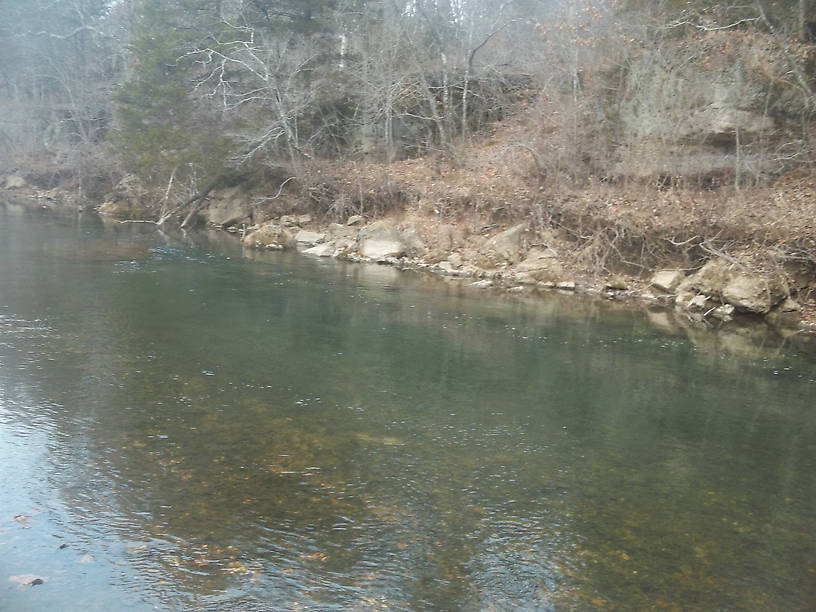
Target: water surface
x=186 y=426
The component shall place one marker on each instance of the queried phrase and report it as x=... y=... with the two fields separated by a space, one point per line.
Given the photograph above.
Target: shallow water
x=185 y=426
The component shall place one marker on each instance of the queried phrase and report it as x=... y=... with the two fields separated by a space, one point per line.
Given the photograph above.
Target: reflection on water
x=203 y=430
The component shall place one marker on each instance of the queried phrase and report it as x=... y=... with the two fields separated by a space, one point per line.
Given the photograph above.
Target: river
x=187 y=426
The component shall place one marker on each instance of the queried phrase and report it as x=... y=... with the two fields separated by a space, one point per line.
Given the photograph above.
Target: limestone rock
x=721 y=281
x=128 y=189
x=504 y=248
x=335 y=230
x=789 y=305
x=752 y=293
x=724 y=312
x=617 y=283
x=295 y=220
x=455 y=260
x=414 y=246
x=380 y=240
x=709 y=280
x=15 y=181
x=305 y=239
x=698 y=302
x=227 y=209
x=667 y=280
x=354 y=220
x=541 y=265
x=269 y=236
x=482 y=284
x=123 y=210
x=325 y=249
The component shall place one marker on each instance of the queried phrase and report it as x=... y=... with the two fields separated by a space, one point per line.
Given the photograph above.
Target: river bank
x=688 y=252
x=513 y=261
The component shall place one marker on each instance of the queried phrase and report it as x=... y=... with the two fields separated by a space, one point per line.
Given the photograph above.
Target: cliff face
x=713 y=109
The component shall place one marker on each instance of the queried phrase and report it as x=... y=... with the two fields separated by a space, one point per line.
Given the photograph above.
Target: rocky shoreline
x=718 y=292
x=518 y=259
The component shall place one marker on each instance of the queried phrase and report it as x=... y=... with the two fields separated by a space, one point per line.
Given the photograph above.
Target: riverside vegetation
x=663 y=150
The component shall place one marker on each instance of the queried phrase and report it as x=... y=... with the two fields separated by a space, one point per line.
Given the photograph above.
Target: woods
x=188 y=93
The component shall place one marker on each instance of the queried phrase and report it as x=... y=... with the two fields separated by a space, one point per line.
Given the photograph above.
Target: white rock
x=667 y=280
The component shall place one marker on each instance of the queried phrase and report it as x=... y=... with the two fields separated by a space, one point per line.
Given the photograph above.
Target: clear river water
x=186 y=426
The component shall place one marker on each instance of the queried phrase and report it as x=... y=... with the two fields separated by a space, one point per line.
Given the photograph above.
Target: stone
x=380 y=240
x=269 y=236
x=414 y=246
x=335 y=230
x=709 y=280
x=617 y=283
x=541 y=265
x=326 y=249
x=698 y=302
x=455 y=260
x=566 y=285
x=446 y=267
x=789 y=305
x=227 y=209
x=15 y=181
x=723 y=313
x=305 y=239
x=719 y=280
x=123 y=210
x=482 y=284
x=754 y=294
x=667 y=280
x=295 y=220
x=128 y=189
x=355 y=220
x=504 y=248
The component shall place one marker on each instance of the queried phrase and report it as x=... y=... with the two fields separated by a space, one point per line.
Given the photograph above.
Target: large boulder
x=753 y=293
x=414 y=246
x=667 y=280
x=723 y=282
x=504 y=248
x=269 y=236
x=540 y=265
x=380 y=240
x=15 y=181
x=305 y=239
x=228 y=208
